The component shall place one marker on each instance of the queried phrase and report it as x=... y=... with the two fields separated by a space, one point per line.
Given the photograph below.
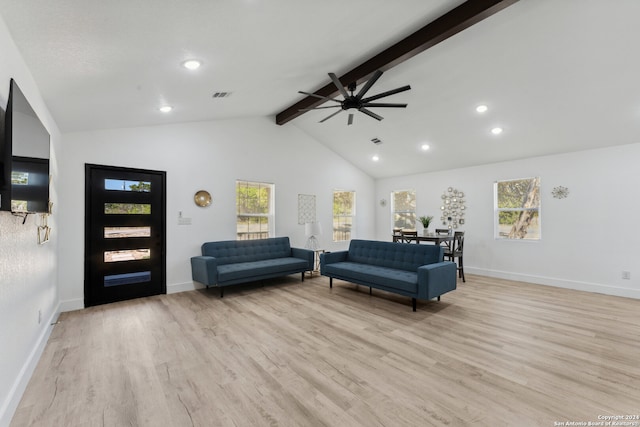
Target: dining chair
x=409 y=236
x=457 y=252
x=446 y=245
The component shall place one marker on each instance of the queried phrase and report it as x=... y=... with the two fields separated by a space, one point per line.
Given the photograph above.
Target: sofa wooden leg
x=413 y=303
x=221 y=292
x=370 y=290
x=303 y=276
x=330 y=282
x=438 y=297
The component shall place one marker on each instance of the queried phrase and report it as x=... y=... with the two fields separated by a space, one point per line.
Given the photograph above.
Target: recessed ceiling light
x=496 y=131
x=375 y=158
x=166 y=108
x=191 y=64
x=425 y=147
x=482 y=108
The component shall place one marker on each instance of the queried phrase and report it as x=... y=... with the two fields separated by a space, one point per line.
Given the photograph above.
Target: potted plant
x=425 y=220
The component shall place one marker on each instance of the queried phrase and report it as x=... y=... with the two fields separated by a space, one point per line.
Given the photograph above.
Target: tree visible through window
x=404 y=209
x=254 y=210
x=517 y=206
x=344 y=210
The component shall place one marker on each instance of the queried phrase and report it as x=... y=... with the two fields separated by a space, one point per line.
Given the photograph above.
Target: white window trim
x=496 y=222
x=352 y=216
x=271 y=216
x=393 y=211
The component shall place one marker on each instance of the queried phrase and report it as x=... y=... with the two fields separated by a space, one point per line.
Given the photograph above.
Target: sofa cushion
x=402 y=256
x=243 y=270
x=240 y=251
x=383 y=276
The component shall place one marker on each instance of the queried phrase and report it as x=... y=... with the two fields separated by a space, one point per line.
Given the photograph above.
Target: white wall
x=588 y=239
x=207 y=156
x=28 y=271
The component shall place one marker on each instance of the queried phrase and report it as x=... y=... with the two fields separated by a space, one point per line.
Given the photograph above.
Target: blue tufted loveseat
x=416 y=271
x=231 y=262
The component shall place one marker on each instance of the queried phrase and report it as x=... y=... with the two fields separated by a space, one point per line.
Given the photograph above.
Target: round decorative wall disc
x=202 y=198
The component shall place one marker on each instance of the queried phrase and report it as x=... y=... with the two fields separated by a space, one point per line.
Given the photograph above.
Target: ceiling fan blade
x=387 y=93
x=330 y=115
x=336 y=81
x=369 y=83
x=319 y=108
x=381 y=104
x=350 y=121
x=371 y=114
x=326 y=98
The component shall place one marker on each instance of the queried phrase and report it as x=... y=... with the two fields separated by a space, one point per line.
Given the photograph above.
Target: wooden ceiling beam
x=449 y=24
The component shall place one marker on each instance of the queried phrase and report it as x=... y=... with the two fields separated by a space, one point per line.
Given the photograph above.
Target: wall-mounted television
x=24 y=160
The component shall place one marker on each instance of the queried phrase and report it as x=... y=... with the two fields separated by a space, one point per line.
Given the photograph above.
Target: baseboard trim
x=559 y=283
x=71 y=305
x=78 y=303
x=183 y=287
x=12 y=401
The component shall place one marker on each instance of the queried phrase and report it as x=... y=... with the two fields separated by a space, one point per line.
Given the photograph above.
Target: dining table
x=437 y=239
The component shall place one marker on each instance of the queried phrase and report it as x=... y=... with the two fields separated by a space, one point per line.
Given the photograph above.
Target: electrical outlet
x=626 y=275
x=39 y=316
x=184 y=221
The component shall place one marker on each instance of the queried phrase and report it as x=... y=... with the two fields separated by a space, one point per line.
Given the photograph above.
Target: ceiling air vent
x=376 y=141
x=221 y=94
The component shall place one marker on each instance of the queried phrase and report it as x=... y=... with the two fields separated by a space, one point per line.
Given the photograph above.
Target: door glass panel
x=127 y=255
x=124 y=185
x=127 y=278
x=127 y=208
x=125 y=232
x=19 y=178
x=19 y=206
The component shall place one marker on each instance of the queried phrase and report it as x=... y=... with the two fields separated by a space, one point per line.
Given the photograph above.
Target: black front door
x=125 y=250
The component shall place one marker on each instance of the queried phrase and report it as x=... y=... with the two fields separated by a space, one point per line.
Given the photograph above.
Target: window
x=403 y=209
x=254 y=210
x=344 y=209
x=517 y=208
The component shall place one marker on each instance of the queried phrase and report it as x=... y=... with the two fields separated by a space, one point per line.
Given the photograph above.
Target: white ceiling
x=557 y=75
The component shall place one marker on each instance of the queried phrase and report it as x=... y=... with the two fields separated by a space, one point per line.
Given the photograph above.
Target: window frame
x=498 y=235
x=347 y=234
x=394 y=211
x=269 y=216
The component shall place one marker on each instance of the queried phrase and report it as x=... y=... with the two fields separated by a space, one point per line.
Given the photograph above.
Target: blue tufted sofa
x=231 y=262
x=416 y=271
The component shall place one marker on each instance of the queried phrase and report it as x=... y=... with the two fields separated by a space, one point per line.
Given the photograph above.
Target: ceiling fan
x=357 y=101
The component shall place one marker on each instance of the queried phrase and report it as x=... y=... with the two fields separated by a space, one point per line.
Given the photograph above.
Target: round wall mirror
x=202 y=198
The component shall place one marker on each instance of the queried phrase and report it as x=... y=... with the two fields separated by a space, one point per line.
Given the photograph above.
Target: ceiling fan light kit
x=357 y=101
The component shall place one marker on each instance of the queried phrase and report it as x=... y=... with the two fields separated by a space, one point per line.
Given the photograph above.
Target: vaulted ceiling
x=556 y=75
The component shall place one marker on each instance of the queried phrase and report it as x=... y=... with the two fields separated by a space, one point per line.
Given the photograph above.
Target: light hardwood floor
x=491 y=353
